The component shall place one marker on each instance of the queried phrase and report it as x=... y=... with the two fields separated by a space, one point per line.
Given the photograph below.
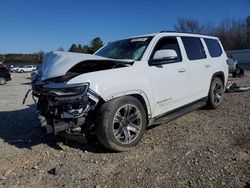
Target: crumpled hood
x=57 y=63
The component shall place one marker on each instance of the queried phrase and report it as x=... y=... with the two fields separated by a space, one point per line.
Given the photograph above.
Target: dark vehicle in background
x=4 y=75
x=233 y=66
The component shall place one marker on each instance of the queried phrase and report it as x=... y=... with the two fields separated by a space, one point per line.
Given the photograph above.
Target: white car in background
x=130 y=84
x=15 y=68
x=26 y=68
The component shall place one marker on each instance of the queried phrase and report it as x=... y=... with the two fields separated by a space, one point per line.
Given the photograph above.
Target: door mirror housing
x=163 y=57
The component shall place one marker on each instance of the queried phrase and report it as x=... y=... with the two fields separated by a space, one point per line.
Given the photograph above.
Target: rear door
x=199 y=67
x=169 y=80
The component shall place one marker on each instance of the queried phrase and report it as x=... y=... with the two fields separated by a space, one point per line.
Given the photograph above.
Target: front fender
x=110 y=84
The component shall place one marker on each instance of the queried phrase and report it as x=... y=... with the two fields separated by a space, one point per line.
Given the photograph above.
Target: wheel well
x=143 y=102
x=219 y=75
x=137 y=96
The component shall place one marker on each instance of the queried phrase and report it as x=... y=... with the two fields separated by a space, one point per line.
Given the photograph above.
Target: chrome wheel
x=127 y=124
x=217 y=93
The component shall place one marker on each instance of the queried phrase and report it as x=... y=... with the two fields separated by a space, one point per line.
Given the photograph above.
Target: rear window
x=194 y=48
x=213 y=47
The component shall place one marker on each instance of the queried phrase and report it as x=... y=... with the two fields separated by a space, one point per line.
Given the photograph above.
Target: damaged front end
x=64 y=107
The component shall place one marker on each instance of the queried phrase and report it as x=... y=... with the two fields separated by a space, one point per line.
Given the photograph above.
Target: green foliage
x=2 y=58
x=22 y=58
x=73 y=48
x=35 y=58
x=95 y=44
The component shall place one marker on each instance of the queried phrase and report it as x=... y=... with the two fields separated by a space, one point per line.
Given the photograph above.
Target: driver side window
x=168 y=43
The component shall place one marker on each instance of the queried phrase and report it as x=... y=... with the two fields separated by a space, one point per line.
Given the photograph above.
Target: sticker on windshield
x=139 y=39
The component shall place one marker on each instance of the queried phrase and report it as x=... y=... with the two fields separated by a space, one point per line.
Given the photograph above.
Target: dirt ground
x=206 y=148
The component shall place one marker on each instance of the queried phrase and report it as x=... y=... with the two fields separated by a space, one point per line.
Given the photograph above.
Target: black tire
x=238 y=70
x=215 y=96
x=2 y=81
x=234 y=74
x=114 y=128
x=241 y=71
x=21 y=71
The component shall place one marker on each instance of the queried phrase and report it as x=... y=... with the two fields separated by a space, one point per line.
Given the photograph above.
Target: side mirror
x=163 y=56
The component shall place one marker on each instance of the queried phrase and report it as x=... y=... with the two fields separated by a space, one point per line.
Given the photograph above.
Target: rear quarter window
x=194 y=48
x=214 y=47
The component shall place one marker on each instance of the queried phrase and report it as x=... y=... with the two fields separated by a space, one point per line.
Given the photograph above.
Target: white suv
x=26 y=68
x=130 y=84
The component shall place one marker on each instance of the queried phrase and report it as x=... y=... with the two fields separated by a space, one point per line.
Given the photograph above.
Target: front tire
x=121 y=124
x=215 y=95
x=2 y=81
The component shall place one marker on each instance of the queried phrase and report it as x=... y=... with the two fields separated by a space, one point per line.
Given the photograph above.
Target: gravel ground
x=206 y=148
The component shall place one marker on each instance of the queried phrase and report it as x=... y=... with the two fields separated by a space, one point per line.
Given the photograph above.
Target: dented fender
x=113 y=83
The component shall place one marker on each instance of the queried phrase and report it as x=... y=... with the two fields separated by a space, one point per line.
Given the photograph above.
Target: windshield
x=133 y=48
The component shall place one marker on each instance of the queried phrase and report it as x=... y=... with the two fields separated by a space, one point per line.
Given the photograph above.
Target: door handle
x=181 y=70
x=208 y=65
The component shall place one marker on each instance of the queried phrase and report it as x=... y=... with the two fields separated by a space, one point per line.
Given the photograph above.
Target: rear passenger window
x=194 y=48
x=213 y=47
x=168 y=43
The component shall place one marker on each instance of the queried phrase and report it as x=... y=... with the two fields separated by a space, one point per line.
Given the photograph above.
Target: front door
x=169 y=80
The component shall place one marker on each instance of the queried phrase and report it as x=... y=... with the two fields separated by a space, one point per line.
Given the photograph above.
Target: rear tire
x=2 y=81
x=215 y=95
x=121 y=123
x=237 y=71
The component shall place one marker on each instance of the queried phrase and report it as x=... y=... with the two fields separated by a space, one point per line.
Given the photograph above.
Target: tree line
x=33 y=58
x=234 y=35
x=94 y=45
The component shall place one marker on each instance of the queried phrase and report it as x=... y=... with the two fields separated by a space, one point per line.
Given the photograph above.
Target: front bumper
x=64 y=113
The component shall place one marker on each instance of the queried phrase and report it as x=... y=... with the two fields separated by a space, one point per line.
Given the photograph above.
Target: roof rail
x=166 y=31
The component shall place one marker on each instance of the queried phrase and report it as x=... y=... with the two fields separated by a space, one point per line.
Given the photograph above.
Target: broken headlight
x=62 y=89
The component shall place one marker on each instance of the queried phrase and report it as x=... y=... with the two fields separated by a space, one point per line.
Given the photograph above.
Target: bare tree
x=184 y=25
x=234 y=34
x=248 y=32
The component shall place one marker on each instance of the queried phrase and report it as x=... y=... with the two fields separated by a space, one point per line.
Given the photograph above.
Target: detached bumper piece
x=233 y=87
x=64 y=107
x=56 y=126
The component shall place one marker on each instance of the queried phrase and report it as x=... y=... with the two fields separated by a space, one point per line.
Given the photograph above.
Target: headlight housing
x=62 y=89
